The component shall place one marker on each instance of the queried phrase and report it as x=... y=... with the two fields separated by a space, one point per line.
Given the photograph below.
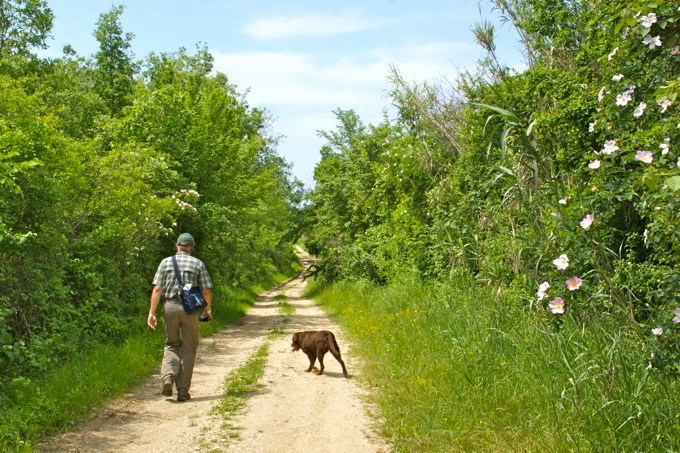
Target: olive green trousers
x=181 y=343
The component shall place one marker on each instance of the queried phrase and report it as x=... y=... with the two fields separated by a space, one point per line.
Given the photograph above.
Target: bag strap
x=177 y=276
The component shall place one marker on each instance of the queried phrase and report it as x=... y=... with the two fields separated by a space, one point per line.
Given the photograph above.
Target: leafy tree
x=24 y=25
x=114 y=68
x=504 y=172
x=81 y=230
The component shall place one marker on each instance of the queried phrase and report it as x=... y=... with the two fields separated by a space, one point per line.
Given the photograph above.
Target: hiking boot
x=167 y=386
x=183 y=396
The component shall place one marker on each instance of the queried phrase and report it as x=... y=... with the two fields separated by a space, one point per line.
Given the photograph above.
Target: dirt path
x=293 y=412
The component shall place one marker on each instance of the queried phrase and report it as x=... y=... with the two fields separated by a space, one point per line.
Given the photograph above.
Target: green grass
x=485 y=374
x=285 y=308
x=240 y=385
x=34 y=408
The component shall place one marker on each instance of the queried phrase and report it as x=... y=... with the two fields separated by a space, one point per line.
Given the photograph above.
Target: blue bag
x=192 y=299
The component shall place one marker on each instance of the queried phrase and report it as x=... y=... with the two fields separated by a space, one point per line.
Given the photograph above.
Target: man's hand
x=155 y=299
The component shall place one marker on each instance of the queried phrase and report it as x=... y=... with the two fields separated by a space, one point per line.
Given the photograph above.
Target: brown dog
x=316 y=343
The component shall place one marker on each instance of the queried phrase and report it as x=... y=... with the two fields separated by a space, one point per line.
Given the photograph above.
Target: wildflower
x=645 y=235
x=677 y=315
x=658 y=331
x=542 y=290
x=664 y=105
x=601 y=94
x=665 y=146
x=675 y=50
x=624 y=98
x=611 y=55
x=609 y=147
x=564 y=201
x=587 y=221
x=648 y=20
x=591 y=126
x=644 y=156
x=556 y=305
x=617 y=77
x=652 y=41
x=573 y=283
x=639 y=110
x=594 y=165
x=562 y=262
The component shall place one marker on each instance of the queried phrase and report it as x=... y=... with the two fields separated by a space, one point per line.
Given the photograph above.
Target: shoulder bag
x=192 y=298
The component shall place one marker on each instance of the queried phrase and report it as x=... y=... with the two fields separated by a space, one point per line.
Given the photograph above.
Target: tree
x=24 y=24
x=114 y=68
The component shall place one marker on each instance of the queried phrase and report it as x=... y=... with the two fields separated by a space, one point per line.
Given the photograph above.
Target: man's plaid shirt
x=192 y=270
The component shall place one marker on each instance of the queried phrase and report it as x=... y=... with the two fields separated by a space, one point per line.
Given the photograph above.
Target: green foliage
x=24 y=24
x=492 y=178
x=35 y=407
x=103 y=162
x=490 y=184
x=114 y=71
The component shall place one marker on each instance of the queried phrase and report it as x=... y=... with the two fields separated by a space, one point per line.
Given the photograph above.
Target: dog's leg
x=336 y=353
x=312 y=359
x=321 y=353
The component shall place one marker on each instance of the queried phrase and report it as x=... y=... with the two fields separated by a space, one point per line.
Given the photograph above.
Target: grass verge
x=486 y=374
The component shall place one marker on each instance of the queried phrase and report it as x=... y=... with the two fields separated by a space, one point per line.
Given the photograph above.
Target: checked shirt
x=192 y=270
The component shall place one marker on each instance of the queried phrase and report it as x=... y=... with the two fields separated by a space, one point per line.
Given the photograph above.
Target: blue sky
x=301 y=59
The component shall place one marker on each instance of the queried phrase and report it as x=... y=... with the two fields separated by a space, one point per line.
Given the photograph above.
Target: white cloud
x=302 y=89
x=286 y=77
x=278 y=27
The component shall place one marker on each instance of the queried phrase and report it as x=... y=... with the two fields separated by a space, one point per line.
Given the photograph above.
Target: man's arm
x=207 y=295
x=155 y=299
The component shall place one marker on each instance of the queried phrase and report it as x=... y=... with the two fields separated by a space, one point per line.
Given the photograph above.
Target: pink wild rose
x=609 y=147
x=562 y=262
x=644 y=156
x=652 y=41
x=664 y=105
x=573 y=283
x=587 y=221
x=556 y=306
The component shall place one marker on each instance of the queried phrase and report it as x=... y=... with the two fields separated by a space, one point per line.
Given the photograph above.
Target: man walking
x=181 y=329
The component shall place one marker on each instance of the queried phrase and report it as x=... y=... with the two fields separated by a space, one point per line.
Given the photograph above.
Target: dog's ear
x=295 y=337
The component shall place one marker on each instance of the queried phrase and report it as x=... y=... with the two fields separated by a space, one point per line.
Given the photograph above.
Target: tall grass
x=460 y=369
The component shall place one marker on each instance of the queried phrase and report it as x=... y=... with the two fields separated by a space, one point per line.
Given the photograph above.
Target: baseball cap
x=186 y=239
